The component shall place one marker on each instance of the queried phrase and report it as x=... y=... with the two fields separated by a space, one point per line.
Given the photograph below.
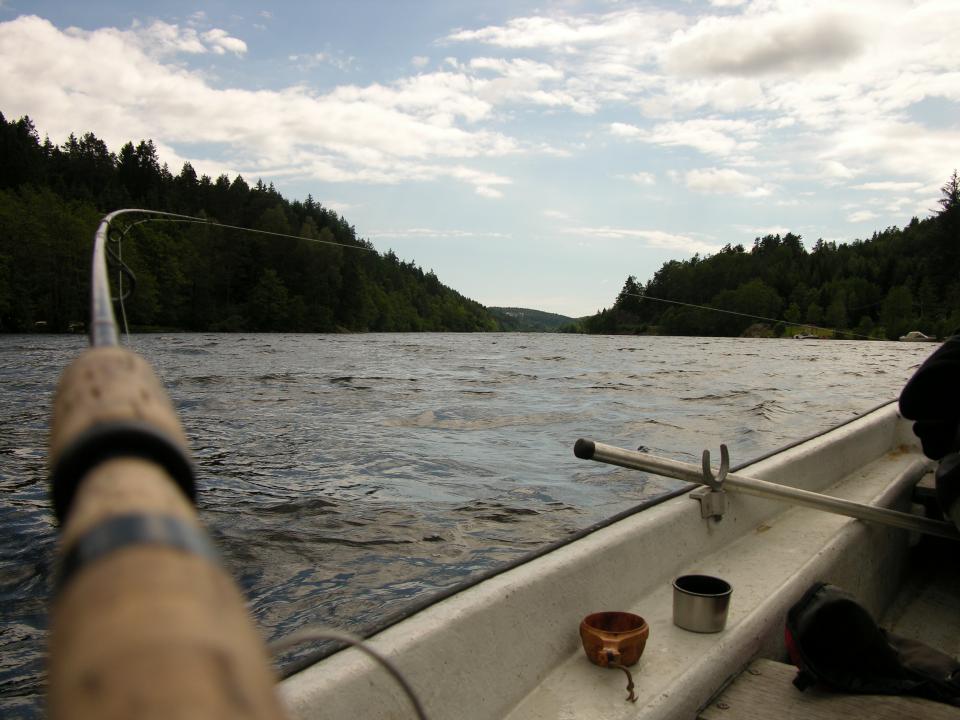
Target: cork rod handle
x=144 y=629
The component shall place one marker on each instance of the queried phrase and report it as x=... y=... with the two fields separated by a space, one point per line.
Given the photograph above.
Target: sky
x=532 y=154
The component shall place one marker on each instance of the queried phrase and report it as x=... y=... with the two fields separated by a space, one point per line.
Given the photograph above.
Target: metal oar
x=590 y=450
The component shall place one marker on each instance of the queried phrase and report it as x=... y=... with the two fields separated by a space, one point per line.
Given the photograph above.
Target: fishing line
x=321 y=633
x=103 y=324
x=203 y=221
x=122 y=297
x=160 y=217
x=747 y=315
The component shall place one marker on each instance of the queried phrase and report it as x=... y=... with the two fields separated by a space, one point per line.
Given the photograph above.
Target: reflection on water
x=345 y=477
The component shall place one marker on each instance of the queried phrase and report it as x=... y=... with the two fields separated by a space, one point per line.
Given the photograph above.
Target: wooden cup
x=614 y=638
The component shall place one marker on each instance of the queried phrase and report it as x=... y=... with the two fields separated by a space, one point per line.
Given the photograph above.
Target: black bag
x=834 y=642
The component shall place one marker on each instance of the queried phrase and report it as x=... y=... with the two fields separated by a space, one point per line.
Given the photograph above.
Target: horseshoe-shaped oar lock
x=716 y=483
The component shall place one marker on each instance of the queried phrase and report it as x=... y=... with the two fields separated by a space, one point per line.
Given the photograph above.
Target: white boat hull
x=509 y=648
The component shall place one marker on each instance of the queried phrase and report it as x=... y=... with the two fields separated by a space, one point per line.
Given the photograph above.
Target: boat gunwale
x=292 y=668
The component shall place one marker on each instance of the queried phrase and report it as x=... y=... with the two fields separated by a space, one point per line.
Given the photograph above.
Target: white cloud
x=517 y=68
x=642 y=178
x=725 y=181
x=815 y=78
x=566 y=33
x=711 y=136
x=861 y=216
x=626 y=130
x=837 y=170
x=777 y=42
x=681 y=96
x=160 y=38
x=220 y=42
x=823 y=90
x=116 y=83
x=891 y=146
x=889 y=186
x=337 y=206
x=762 y=231
x=488 y=192
x=440 y=96
x=502 y=81
x=556 y=215
x=896 y=206
x=309 y=61
x=651 y=238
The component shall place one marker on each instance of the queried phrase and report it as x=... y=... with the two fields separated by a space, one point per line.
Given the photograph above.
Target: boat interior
x=926 y=607
x=509 y=647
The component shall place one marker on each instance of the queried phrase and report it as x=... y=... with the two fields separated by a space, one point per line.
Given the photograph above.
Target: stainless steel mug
x=700 y=603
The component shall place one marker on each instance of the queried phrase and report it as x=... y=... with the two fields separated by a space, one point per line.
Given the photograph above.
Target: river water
x=345 y=478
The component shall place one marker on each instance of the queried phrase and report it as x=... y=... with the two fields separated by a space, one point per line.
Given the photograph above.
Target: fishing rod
x=144 y=619
x=144 y=616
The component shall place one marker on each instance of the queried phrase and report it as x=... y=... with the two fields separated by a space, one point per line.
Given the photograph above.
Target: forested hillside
x=898 y=280
x=202 y=277
x=195 y=276
x=526 y=320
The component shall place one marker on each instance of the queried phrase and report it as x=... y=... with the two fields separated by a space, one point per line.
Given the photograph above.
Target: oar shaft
x=734 y=482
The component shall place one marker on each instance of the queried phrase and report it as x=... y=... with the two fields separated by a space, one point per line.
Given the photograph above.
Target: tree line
x=897 y=281
x=196 y=277
x=204 y=278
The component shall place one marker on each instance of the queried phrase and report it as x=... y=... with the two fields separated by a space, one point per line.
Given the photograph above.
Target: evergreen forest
x=897 y=281
x=195 y=277
x=201 y=277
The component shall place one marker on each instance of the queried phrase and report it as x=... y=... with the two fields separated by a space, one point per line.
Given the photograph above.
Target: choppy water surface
x=345 y=477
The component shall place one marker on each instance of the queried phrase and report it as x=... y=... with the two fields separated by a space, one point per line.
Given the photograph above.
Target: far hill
x=526 y=320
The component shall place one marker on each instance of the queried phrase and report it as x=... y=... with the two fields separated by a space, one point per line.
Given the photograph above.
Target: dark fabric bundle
x=835 y=643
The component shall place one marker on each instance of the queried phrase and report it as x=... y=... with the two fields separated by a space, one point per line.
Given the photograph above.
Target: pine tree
x=951 y=193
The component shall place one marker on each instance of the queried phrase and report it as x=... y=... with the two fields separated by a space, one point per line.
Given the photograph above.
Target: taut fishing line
x=160 y=216
x=213 y=223
x=747 y=315
x=120 y=269
x=116 y=235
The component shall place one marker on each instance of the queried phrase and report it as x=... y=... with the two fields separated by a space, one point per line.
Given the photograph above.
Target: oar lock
x=712 y=496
